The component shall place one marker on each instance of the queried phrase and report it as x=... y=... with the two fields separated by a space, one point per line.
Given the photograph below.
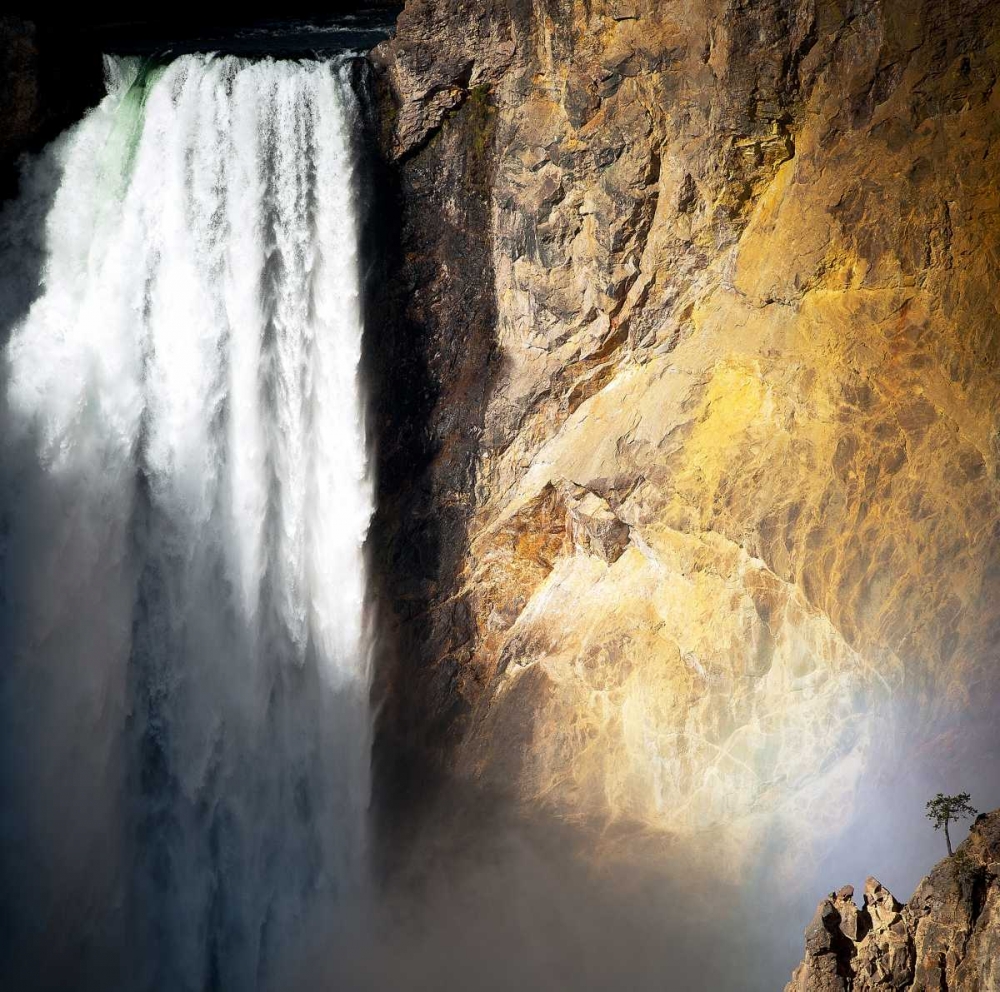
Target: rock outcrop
x=946 y=937
x=709 y=287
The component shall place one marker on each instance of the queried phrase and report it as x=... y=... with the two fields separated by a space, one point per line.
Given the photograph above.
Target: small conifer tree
x=942 y=810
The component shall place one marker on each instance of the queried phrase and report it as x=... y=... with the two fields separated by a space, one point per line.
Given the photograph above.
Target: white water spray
x=187 y=498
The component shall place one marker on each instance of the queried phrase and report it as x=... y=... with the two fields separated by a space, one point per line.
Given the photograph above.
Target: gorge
x=648 y=350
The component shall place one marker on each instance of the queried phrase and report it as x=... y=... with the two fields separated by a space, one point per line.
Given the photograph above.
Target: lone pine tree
x=942 y=809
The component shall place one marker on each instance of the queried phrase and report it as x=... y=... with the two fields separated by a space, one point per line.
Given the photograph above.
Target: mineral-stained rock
x=731 y=268
x=593 y=528
x=946 y=937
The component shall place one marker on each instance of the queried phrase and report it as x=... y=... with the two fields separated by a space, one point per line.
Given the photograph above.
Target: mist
x=185 y=499
x=185 y=730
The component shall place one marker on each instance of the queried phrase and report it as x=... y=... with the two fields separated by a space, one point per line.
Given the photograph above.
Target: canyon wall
x=683 y=349
x=690 y=434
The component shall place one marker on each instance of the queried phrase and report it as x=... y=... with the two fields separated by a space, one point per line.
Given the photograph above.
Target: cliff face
x=701 y=364
x=946 y=937
x=48 y=77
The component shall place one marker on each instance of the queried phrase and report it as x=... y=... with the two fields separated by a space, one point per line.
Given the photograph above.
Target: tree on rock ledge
x=942 y=809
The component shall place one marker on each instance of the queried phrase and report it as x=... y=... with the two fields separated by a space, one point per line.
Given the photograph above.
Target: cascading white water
x=187 y=498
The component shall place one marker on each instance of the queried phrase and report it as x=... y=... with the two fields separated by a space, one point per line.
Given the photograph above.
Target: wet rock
x=50 y=73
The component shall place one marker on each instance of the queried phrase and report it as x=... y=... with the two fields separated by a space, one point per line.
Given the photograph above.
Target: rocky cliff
x=690 y=439
x=48 y=77
x=946 y=937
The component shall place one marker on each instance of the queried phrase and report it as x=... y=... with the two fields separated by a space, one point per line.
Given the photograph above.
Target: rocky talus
x=946 y=937
x=691 y=432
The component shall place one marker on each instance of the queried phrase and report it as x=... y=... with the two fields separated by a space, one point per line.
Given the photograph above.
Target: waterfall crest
x=186 y=498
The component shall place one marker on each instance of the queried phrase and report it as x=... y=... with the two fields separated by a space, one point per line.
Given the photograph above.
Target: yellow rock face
x=766 y=341
x=682 y=686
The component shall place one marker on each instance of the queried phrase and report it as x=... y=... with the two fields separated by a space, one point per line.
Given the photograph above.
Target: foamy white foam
x=188 y=381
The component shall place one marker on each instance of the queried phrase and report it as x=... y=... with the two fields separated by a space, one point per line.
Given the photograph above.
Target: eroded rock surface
x=715 y=283
x=946 y=937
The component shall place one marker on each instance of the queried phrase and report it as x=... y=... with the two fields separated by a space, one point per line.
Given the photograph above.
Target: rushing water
x=186 y=730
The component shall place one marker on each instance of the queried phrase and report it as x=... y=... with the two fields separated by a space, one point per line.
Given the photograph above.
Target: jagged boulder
x=593 y=528
x=826 y=950
x=946 y=937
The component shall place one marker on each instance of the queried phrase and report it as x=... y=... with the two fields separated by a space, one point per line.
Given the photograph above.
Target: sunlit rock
x=742 y=263
x=946 y=937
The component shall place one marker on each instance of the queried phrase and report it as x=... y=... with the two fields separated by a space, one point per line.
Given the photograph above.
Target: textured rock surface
x=706 y=292
x=946 y=937
x=48 y=77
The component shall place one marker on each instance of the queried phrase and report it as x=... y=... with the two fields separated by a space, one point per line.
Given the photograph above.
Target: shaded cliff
x=946 y=937
x=48 y=77
x=700 y=367
x=51 y=67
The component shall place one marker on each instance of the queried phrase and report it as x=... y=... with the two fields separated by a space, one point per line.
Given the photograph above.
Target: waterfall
x=184 y=697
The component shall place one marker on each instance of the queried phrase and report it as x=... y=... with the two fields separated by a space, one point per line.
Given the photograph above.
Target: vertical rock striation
x=699 y=354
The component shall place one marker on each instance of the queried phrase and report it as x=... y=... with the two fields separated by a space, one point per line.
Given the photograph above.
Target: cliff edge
x=946 y=937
